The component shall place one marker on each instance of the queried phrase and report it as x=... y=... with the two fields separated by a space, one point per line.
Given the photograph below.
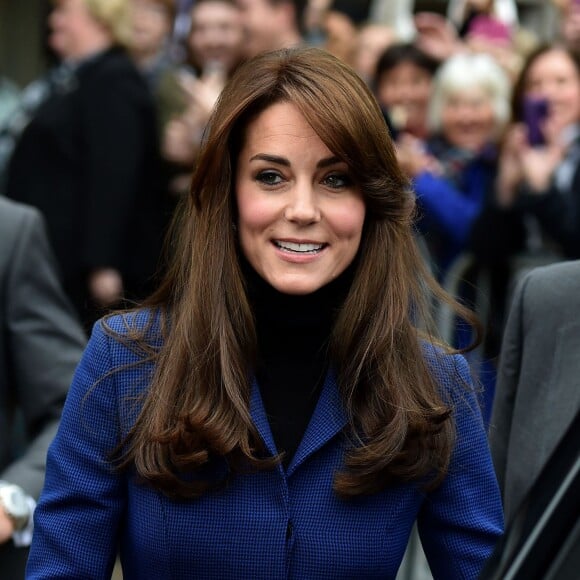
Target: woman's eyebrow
x=328 y=161
x=271 y=158
x=283 y=161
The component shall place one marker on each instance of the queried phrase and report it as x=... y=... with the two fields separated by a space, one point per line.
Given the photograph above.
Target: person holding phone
x=539 y=173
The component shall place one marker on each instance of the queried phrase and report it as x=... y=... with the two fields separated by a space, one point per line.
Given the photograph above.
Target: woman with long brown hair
x=274 y=410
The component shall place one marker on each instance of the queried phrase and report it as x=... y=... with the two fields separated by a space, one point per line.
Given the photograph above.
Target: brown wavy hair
x=197 y=406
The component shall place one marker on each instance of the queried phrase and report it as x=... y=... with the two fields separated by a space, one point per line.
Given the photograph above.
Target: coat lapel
x=258 y=414
x=329 y=419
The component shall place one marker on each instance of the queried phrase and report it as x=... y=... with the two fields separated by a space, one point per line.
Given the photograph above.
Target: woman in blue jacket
x=273 y=411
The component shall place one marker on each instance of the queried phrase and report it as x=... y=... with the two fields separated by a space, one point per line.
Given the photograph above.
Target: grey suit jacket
x=40 y=344
x=538 y=388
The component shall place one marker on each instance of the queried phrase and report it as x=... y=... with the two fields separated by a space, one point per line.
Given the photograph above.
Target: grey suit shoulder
x=14 y=219
x=538 y=387
x=41 y=342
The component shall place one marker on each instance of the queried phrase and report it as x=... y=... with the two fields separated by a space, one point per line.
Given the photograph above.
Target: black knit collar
x=304 y=320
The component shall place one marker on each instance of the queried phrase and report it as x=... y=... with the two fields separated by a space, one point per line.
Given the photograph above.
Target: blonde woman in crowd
x=455 y=167
x=88 y=159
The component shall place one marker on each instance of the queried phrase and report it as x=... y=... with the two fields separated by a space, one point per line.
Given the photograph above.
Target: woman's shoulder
x=450 y=370
x=440 y=358
x=453 y=376
x=120 y=356
x=134 y=333
x=126 y=322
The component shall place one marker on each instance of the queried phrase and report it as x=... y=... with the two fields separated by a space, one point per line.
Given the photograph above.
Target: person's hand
x=539 y=164
x=178 y=143
x=521 y=163
x=510 y=170
x=6 y=527
x=203 y=92
x=556 y=127
x=504 y=54
x=413 y=158
x=106 y=286
x=182 y=136
x=437 y=36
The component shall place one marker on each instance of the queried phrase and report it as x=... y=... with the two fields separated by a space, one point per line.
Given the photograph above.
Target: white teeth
x=294 y=247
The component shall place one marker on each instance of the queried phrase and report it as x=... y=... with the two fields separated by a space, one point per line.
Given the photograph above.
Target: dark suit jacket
x=40 y=345
x=538 y=387
x=88 y=160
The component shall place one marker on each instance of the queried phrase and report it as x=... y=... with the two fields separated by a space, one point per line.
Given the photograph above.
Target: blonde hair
x=115 y=16
x=465 y=71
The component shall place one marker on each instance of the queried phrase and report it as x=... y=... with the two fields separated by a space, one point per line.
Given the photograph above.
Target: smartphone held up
x=535 y=112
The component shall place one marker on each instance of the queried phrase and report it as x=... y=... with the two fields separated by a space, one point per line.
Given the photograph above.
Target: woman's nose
x=302 y=206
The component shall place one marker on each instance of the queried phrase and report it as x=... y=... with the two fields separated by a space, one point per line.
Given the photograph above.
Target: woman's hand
x=203 y=92
x=6 y=527
x=539 y=164
x=437 y=36
x=413 y=158
x=182 y=136
x=178 y=143
x=520 y=163
x=510 y=171
x=106 y=286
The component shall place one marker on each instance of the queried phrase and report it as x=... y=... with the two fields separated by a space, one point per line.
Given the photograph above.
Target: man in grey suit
x=41 y=342
x=538 y=387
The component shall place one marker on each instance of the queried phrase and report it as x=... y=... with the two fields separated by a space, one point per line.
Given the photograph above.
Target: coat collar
x=329 y=419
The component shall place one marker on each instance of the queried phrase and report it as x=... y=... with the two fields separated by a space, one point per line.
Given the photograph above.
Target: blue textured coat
x=267 y=525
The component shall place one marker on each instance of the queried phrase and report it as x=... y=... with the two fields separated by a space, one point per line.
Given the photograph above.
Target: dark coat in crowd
x=88 y=160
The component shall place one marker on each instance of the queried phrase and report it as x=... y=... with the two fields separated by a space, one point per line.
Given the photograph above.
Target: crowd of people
x=162 y=163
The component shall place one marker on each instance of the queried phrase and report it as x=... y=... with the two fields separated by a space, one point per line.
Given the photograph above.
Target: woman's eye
x=337 y=180
x=269 y=177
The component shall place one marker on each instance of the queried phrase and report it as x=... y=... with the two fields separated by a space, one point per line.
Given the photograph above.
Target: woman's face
x=554 y=77
x=216 y=34
x=468 y=119
x=300 y=212
x=404 y=92
x=150 y=26
x=72 y=29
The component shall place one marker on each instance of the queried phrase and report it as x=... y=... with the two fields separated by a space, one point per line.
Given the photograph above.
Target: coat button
x=289 y=530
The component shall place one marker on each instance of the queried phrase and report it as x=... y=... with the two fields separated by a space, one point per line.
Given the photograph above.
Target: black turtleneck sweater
x=293 y=334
